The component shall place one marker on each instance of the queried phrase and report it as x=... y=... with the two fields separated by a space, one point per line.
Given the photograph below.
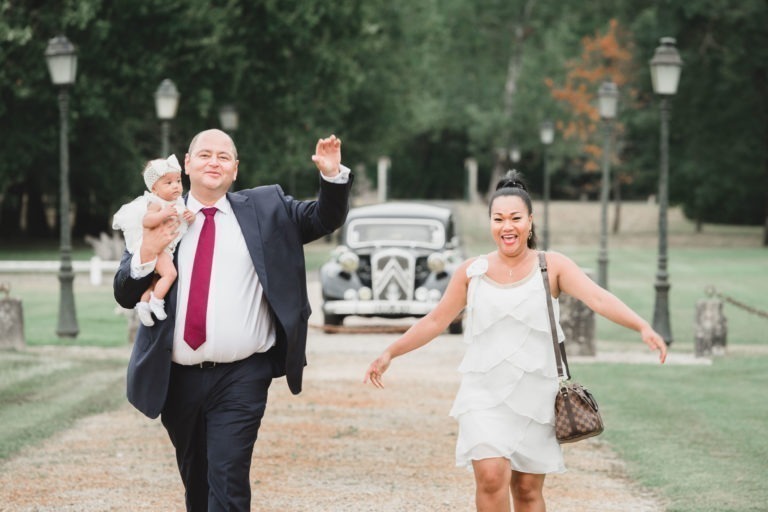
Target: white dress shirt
x=239 y=322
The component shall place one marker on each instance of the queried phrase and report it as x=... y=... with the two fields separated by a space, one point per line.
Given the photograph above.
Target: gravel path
x=339 y=446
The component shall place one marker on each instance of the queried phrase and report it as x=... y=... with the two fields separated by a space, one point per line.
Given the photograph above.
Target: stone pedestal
x=578 y=323
x=710 y=328
x=133 y=321
x=11 y=322
x=133 y=325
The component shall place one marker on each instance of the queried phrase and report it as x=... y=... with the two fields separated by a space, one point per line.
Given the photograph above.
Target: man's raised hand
x=327 y=156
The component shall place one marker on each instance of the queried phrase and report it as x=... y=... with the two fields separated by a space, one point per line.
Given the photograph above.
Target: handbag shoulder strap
x=559 y=349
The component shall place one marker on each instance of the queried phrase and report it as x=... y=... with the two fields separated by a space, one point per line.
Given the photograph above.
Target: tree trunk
x=514 y=66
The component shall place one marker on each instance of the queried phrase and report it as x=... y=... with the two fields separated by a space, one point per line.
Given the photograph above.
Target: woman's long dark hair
x=513 y=184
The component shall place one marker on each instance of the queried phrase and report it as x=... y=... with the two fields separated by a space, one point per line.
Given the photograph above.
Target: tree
x=426 y=83
x=604 y=57
x=719 y=118
x=292 y=72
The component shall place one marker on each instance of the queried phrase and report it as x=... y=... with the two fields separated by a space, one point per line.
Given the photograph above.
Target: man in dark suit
x=207 y=373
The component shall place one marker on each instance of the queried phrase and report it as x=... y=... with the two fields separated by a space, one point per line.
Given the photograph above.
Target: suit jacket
x=275 y=227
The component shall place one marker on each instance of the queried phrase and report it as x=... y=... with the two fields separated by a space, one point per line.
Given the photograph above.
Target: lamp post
x=608 y=96
x=514 y=154
x=547 y=135
x=666 y=65
x=166 y=103
x=228 y=118
x=61 y=58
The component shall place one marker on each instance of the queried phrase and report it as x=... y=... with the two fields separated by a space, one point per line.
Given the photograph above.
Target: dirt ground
x=339 y=446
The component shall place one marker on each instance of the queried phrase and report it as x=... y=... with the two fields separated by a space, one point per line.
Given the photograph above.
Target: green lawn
x=42 y=392
x=692 y=434
x=738 y=272
x=99 y=319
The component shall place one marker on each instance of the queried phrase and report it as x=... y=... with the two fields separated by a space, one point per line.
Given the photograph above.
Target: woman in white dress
x=505 y=404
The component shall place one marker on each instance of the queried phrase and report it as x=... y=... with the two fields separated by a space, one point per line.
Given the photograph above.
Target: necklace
x=511 y=271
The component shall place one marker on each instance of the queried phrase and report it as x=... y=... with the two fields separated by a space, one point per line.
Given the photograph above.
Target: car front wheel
x=330 y=321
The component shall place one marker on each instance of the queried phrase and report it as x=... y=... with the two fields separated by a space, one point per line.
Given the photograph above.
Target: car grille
x=392 y=274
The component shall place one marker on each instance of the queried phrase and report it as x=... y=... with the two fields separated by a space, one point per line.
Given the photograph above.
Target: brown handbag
x=577 y=415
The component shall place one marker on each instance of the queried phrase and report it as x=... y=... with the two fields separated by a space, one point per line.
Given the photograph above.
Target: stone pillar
x=133 y=325
x=578 y=323
x=471 y=165
x=95 y=270
x=383 y=168
x=710 y=328
x=133 y=321
x=11 y=321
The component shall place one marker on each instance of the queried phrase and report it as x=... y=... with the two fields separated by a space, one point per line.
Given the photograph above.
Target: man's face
x=211 y=163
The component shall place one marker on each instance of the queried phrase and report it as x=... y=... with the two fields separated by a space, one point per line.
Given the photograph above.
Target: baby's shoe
x=158 y=307
x=145 y=314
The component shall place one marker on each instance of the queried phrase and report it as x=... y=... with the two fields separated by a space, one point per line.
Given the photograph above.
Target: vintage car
x=394 y=261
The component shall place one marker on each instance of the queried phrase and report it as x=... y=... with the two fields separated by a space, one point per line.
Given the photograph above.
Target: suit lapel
x=245 y=213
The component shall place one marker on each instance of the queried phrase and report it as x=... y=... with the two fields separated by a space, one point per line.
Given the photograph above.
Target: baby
x=163 y=199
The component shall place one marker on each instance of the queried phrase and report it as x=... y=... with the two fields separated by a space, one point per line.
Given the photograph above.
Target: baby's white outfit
x=130 y=217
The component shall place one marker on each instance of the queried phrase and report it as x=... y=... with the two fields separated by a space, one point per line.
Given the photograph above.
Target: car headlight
x=436 y=262
x=421 y=294
x=350 y=294
x=349 y=261
x=339 y=250
x=434 y=295
x=365 y=293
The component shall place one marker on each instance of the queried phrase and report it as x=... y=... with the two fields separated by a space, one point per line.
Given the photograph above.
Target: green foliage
x=718 y=153
x=421 y=82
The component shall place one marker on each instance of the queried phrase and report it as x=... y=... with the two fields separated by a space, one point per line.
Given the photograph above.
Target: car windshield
x=405 y=232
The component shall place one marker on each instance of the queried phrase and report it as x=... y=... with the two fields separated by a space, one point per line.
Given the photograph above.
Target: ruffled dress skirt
x=505 y=404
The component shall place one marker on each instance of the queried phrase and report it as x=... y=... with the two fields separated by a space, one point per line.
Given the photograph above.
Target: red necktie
x=197 y=304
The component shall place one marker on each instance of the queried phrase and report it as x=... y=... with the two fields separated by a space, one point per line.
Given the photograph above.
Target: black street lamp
x=228 y=118
x=608 y=97
x=547 y=135
x=61 y=58
x=666 y=65
x=166 y=103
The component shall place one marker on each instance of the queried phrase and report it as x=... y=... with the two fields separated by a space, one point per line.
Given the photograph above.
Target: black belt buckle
x=208 y=364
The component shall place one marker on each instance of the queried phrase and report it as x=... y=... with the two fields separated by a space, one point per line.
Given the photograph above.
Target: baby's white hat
x=159 y=167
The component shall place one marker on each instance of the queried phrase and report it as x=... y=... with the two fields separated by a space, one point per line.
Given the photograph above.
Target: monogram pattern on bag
x=576 y=414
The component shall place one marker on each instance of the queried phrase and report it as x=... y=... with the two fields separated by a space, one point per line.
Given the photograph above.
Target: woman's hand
x=377 y=369
x=654 y=341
